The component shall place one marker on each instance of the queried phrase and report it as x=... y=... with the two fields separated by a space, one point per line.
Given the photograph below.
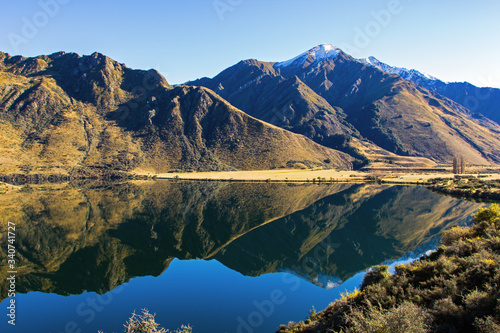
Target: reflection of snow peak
x=316 y=54
x=331 y=284
x=321 y=280
x=326 y=281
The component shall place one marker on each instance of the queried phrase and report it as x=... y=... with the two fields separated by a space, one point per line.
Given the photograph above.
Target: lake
x=220 y=256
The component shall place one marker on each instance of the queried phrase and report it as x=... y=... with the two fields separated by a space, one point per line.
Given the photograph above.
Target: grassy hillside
x=67 y=114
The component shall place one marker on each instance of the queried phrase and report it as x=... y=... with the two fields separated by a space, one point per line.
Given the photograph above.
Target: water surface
x=223 y=257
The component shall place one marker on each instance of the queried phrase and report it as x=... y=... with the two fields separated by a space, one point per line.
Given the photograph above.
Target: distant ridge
x=478 y=101
x=407 y=74
x=349 y=104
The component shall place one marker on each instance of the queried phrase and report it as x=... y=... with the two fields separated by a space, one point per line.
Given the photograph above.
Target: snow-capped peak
x=316 y=54
x=407 y=74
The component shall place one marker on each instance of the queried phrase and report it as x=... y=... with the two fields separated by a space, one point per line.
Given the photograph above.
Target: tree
x=458 y=165
x=455 y=165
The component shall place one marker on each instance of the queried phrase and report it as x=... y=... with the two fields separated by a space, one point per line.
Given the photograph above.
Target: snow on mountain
x=407 y=74
x=479 y=101
x=316 y=54
x=328 y=52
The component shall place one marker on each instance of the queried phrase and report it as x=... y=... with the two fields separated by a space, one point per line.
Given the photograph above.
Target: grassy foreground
x=455 y=289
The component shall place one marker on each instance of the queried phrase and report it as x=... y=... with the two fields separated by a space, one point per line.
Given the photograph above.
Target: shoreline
x=268 y=176
x=308 y=176
x=475 y=188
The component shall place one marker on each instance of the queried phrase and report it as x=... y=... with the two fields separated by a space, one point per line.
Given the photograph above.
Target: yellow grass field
x=303 y=175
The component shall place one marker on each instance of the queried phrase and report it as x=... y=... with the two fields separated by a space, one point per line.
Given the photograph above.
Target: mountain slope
x=478 y=101
x=355 y=100
x=204 y=130
x=259 y=89
x=64 y=113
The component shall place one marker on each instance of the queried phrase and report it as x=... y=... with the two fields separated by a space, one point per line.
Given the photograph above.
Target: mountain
x=87 y=115
x=332 y=98
x=407 y=74
x=480 y=102
x=260 y=90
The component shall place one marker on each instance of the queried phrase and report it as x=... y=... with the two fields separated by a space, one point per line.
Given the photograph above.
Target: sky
x=453 y=40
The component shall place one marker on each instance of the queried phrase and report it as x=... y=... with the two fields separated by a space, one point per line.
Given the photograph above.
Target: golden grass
x=383 y=158
x=294 y=175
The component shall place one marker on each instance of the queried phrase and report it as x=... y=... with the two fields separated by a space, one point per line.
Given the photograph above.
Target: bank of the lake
x=6 y=187
x=455 y=289
x=469 y=187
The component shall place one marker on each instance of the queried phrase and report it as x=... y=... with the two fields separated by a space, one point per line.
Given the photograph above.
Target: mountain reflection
x=96 y=237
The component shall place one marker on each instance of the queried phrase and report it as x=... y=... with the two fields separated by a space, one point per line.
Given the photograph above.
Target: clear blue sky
x=453 y=40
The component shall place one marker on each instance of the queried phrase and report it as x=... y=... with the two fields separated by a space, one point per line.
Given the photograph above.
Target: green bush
x=487 y=325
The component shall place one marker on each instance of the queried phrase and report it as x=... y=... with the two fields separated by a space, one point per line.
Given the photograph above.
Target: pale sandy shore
x=303 y=175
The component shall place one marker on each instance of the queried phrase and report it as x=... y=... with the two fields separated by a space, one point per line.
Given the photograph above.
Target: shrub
x=406 y=318
x=445 y=310
x=299 y=166
x=450 y=236
x=375 y=275
x=487 y=325
x=146 y=323
x=491 y=214
x=476 y=300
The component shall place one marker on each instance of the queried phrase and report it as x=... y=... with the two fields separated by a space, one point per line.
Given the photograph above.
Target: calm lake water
x=223 y=257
